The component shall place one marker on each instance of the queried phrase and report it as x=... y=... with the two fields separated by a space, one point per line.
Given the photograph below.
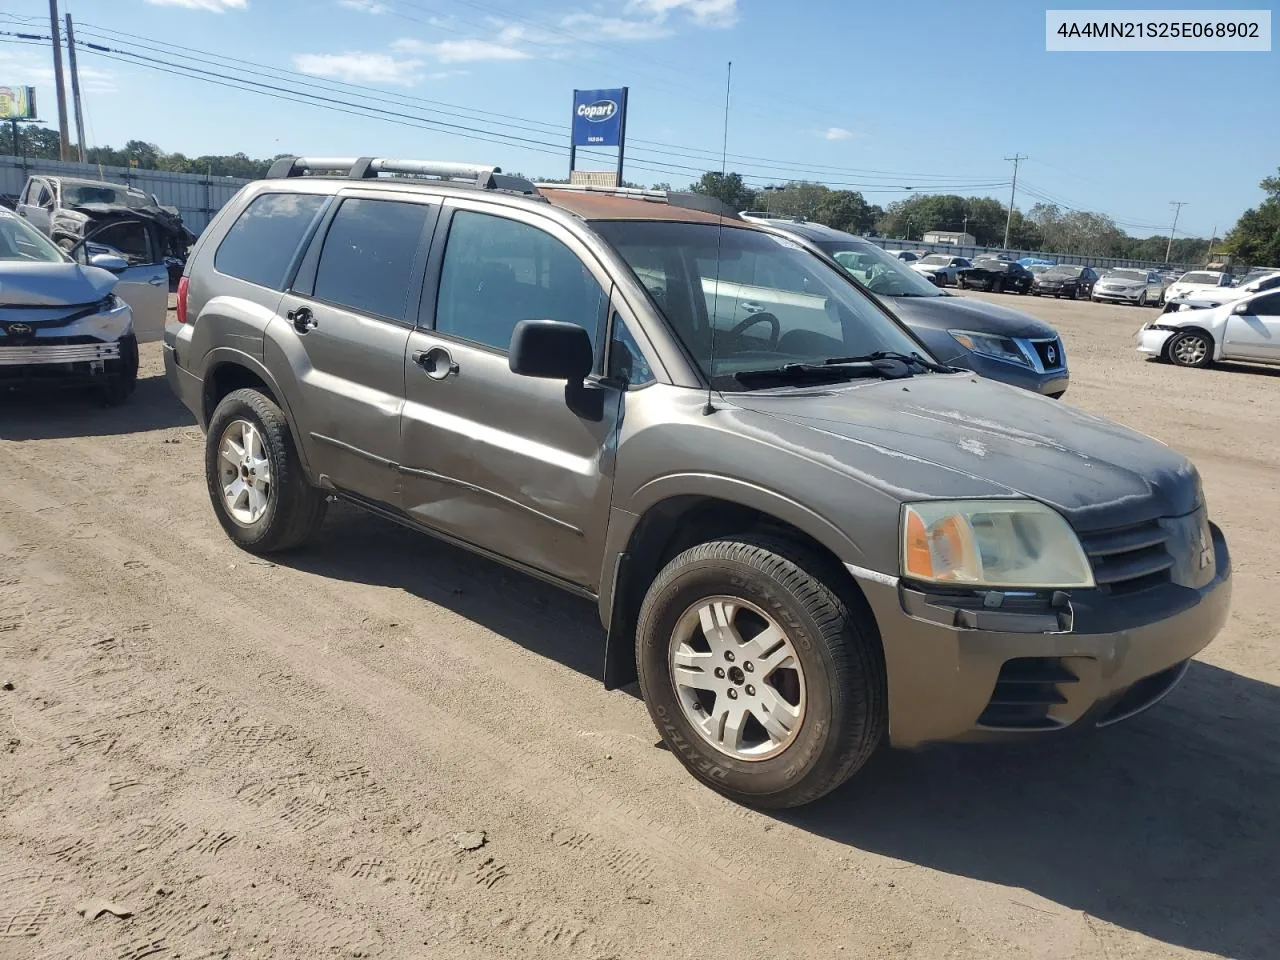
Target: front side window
x=1268 y=306
x=262 y=242
x=368 y=256
x=805 y=314
x=497 y=272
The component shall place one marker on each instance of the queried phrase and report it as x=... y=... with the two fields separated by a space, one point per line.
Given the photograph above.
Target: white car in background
x=941 y=268
x=1198 y=281
x=1214 y=296
x=1245 y=329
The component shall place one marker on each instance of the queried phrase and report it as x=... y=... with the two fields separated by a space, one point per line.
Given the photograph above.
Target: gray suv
x=804 y=534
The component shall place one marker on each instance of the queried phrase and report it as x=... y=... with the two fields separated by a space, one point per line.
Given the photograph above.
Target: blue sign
x=598 y=117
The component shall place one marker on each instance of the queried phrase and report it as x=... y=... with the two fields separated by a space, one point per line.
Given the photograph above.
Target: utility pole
x=75 y=87
x=1208 y=254
x=64 y=139
x=1177 y=209
x=1008 y=222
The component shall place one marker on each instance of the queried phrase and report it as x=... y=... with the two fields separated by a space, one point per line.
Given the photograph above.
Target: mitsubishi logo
x=1052 y=354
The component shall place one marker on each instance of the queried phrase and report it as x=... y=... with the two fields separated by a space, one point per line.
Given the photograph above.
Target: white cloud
x=365 y=6
x=837 y=133
x=359 y=67
x=705 y=13
x=469 y=50
x=213 y=6
x=616 y=28
x=23 y=69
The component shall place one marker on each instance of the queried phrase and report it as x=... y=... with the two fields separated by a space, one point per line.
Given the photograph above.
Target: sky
x=875 y=96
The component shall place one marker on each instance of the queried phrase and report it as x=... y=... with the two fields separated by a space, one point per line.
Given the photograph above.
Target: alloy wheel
x=244 y=472
x=737 y=678
x=1190 y=350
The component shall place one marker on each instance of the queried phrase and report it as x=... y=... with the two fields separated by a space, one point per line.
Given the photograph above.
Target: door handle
x=156 y=281
x=752 y=308
x=437 y=363
x=302 y=319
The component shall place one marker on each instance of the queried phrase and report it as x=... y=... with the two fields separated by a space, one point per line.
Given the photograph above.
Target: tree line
x=1254 y=240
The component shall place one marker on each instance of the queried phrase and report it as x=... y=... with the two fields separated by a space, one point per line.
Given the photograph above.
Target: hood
x=967 y=313
x=52 y=284
x=1122 y=282
x=940 y=436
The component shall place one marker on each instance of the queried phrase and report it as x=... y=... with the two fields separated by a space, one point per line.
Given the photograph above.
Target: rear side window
x=262 y=242
x=368 y=256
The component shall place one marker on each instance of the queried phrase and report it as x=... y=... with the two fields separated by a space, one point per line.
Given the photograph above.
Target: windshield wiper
x=791 y=372
x=911 y=359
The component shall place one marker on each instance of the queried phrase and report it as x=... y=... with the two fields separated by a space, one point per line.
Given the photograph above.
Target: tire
x=1142 y=299
x=1075 y=293
x=121 y=375
x=1190 y=349
x=838 y=690
x=293 y=508
x=997 y=285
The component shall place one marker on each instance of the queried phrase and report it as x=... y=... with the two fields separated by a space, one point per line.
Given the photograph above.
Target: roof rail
x=367 y=168
x=675 y=198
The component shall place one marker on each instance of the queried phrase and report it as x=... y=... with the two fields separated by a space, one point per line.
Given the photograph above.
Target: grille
x=1026 y=689
x=1129 y=559
x=1043 y=350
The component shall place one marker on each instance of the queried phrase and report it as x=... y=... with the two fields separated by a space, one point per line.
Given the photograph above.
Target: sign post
x=599 y=120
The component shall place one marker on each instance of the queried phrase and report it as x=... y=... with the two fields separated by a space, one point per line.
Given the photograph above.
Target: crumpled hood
x=52 y=284
x=968 y=313
x=943 y=436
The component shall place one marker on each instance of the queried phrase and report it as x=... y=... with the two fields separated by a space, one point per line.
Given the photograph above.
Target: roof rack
x=368 y=168
x=675 y=198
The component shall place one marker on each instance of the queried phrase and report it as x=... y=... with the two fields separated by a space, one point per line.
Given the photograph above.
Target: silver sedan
x=1128 y=285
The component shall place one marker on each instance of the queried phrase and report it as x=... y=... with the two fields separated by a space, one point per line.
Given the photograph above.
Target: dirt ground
x=384 y=747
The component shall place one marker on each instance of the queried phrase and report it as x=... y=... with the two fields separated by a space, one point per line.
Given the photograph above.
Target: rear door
x=494 y=459
x=343 y=327
x=1255 y=334
x=145 y=284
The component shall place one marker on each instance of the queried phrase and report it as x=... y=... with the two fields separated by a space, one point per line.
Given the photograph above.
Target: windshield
x=774 y=303
x=1038 y=268
x=78 y=194
x=1209 y=278
x=938 y=259
x=1064 y=271
x=23 y=243
x=1127 y=275
x=882 y=274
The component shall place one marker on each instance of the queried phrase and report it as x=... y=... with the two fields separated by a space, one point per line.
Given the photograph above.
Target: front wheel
x=1190 y=349
x=122 y=374
x=767 y=684
x=1142 y=299
x=256 y=483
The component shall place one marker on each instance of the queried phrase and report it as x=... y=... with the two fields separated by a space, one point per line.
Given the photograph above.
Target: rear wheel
x=1190 y=349
x=256 y=483
x=767 y=684
x=997 y=285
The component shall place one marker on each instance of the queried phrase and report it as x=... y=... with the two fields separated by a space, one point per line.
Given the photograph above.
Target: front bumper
x=1050 y=383
x=38 y=354
x=1152 y=341
x=1118 y=296
x=186 y=385
x=943 y=677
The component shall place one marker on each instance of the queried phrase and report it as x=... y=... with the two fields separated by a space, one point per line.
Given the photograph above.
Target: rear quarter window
x=261 y=244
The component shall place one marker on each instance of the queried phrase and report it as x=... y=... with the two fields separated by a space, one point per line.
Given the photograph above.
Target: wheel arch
x=670 y=524
x=228 y=370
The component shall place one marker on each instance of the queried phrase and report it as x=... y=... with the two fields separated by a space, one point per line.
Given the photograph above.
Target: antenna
x=715 y=303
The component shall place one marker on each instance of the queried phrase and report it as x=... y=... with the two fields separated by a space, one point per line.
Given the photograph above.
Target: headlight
x=110 y=304
x=990 y=345
x=991 y=543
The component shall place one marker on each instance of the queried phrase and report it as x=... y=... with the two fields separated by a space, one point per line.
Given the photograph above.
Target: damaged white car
x=1244 y=329
x=61 y=322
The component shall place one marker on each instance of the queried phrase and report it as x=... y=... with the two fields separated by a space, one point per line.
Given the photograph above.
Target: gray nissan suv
x=806 y=536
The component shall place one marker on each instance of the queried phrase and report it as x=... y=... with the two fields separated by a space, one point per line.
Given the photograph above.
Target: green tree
x=845 y=210
x=729 y=189
x=1255 y=239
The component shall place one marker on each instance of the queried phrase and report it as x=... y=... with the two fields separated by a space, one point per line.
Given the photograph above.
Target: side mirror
x=1241 y=308
x=551 y=350
x=108 y=261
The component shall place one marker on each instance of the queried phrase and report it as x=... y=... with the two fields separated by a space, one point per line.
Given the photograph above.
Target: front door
x=1254 y=335
x=36 y=205
x=491 y=458
x=343 y=329
x=145 y=284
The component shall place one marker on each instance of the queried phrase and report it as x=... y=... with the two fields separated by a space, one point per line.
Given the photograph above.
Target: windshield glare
x=936 y=258
x=1199 y=278
x=1064 y=271
x=23 y=243
x=882 y=274
x=1128 y=275
x=773 y=302
x=78 y=194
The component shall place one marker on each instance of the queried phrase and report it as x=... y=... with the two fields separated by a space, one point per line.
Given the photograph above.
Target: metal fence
x=196 y=196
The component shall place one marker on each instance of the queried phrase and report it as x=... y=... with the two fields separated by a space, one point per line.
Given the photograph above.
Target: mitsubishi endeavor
x=805 y=535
